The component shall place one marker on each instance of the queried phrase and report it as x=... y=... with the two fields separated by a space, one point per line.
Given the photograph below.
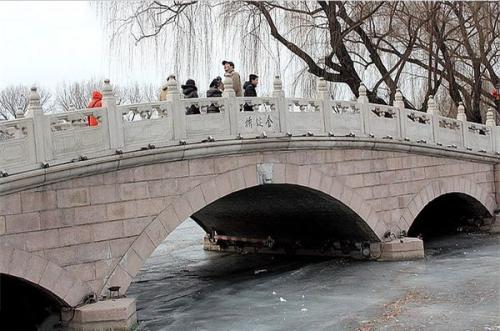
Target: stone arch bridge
x=82 y=207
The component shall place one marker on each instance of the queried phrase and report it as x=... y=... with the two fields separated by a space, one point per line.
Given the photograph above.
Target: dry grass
x=392 y=310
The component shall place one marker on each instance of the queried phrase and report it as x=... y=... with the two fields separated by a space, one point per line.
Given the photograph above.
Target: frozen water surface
x=183 y=287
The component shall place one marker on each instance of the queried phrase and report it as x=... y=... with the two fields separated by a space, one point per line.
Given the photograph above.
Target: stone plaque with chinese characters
x=255 y=122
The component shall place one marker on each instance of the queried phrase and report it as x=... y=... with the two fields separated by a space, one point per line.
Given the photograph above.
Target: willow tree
x=414 y=46
x=76 y=95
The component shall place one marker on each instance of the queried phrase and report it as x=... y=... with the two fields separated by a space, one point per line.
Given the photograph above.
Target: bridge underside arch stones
x=99 y=220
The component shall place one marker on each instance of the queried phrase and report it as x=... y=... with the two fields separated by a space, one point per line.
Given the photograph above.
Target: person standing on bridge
x=235 y=76
x=164 y=87
x=190 y=91
x=214 y=92
x=496 y=96
x=95 y=102
x=250 y=91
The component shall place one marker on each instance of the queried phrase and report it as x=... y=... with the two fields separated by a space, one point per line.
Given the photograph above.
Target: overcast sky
x=45 y=42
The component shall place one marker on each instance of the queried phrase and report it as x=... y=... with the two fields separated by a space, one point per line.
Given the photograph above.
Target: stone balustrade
x=40 y=140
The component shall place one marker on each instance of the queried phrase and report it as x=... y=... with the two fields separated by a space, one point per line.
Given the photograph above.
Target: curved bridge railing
x=40 y=140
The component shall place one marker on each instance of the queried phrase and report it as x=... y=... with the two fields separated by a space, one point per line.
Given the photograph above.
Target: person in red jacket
x=96 y=102
x=496 y=92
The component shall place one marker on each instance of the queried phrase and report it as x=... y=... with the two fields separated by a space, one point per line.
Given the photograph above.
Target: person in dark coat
x=190 y=91
x=249 y=88
x=214 y=92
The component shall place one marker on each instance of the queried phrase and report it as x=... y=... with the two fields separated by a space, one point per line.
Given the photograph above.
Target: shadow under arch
x=43 y=273
x=287 y=214
x=223 y=185
x=442 y=206
x=27 y=306
x=447 y=214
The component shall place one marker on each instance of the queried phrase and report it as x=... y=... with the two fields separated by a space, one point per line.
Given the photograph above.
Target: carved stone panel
x=258 y=122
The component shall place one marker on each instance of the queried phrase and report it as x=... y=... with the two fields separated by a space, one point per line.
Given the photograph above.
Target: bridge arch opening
x=284 y=217
x=447 y=214
x=27 y=306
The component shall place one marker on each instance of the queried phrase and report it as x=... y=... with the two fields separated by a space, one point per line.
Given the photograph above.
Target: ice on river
x=183 y=287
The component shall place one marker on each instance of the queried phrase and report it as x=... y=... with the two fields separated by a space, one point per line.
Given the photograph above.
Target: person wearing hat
x=163 y=91
x=235 y=76
x=214 y=91
x=190 y=91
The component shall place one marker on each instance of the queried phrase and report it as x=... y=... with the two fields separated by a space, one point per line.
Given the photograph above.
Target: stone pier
x=400 y=249
x=112 y=314
x=395 y=250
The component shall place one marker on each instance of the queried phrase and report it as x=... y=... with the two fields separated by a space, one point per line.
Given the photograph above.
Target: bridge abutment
x=114 y=314
x=401 y=249
x=494 y=227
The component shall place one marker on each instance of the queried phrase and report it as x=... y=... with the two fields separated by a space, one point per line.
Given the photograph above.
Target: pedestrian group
x=189 y=90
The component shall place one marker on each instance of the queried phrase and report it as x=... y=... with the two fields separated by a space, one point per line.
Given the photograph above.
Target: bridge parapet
x=41 y=140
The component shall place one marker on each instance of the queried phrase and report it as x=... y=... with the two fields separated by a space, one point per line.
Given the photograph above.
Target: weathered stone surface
x=143 y=246
x=92 y=252
x=156 y=232
x=134 y=191
x=107 y=230
x=223 y=185
x=35 y=201
x=196 y=199
x=402 y=249
x=75 y=235
x=83 y=271
x=119 y=277
x=134 y=226
x=50 y=276
x=120 y=210
x=62 y=256
x=201 y=167
x=102 y=227
x=175 y=169
x=38 y=240
x=132 y=262
x=90 y=214
x=73 y=197
x=35 y=268
x=250 y=174
x=119 y=246
x=10 y=204
x=169 y=218
x=2 y=225
x=104 y=194
x=19 y=263
x=22 y=223
x=148 y=172
x=114 y=314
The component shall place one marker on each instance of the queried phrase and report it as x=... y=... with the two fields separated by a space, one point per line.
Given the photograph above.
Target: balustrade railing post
x=281 y=103
x=363 y=109
x=431 y=111
x=178 y=112
x=491 y=122
x=463 y=118
x=399 y=103
x=326 y=106
x=115 y=118
x=41 y=127
x=231 y=106
x=461 y=112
